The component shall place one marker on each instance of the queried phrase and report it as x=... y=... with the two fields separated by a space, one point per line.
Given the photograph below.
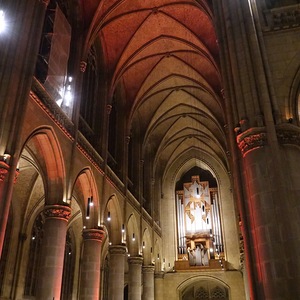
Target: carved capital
x=251 y=139
x=159 y=275
x=57 y=212
x=148 y=269
x=288 y=134
x=82 y=66
x=117 y=249
x=4 y=168
x=135 y=260
x=93 y=234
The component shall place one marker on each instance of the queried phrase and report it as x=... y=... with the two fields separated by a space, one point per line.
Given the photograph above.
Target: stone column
x=271 y=212
x=52 y=252
x=116 y=272
x=159 y=285
x=148 y=283
x=19 y=46
x=90 y=264
x=135 y=277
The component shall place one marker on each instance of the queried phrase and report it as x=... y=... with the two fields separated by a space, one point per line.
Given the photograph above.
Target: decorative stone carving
x=42 y=98
x=117 y=249
x=288 y=136
x=57 y=212
x=283 y=17
x=135 y=260
x=83 y=65
x=108 y=108
x=93 y=234
x=251 y=139
x=127 y=139
x=242 y=254
x=148 y=269
x=4 y=167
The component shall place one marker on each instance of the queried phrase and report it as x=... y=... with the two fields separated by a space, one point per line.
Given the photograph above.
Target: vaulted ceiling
x=164 y=54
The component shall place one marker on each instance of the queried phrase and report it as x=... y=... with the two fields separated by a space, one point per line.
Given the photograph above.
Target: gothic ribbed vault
x=164 y=55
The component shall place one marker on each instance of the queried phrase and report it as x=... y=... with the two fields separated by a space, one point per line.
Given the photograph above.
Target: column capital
x=148 y=269
x=117 y=249
x=288 y=134
x=159 y=275
x=93 y=234
x=57 y=212
x=252 y=139
x=135 y=260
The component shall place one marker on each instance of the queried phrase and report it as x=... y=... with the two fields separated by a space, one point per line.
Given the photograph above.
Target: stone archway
x=204 y=289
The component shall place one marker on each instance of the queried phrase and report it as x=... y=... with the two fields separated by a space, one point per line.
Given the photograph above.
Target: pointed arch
x=133 y=236
x=45 y=149
x=113 y=220
x=86 y=194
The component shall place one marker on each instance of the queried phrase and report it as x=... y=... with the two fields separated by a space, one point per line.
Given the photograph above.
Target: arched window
x=202 y=294
x=218 y=293
x=54 y=48
x=34 y=257
x=205 y=290
x=89 y=96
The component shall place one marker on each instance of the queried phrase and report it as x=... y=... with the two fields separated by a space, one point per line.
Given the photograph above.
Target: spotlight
x=2 y=21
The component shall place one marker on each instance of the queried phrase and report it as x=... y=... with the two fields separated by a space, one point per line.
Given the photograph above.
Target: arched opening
x=199 y=232
x=205 y=289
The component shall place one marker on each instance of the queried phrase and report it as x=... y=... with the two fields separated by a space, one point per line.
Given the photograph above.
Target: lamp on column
x=123 y=228
x=144 y=245
x=2 y=21
x=133 y=237
x=108 y=216
x=91 y=201
x=88 y=209
x=5 y=158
